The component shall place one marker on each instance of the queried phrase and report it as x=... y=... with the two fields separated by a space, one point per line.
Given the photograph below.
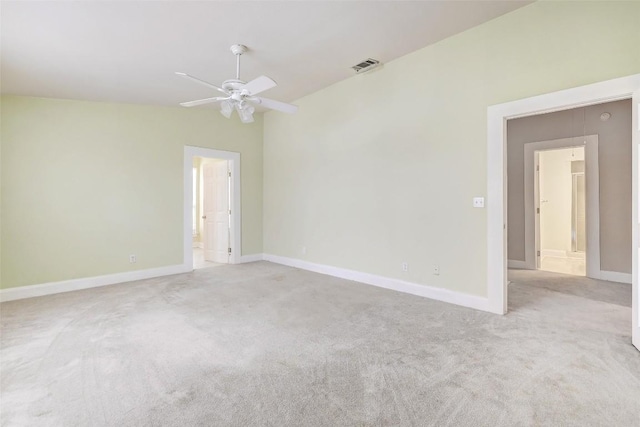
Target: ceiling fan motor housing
x=232 y=85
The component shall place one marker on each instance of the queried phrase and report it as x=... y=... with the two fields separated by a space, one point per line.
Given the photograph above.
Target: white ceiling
x=128 y=51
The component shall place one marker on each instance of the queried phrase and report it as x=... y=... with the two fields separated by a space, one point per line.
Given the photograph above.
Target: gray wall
x=614 y=160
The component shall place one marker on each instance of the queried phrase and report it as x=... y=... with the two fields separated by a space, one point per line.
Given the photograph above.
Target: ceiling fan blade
x=259 y=84
x=202 y=82
x=275 y=105
x=202 y=101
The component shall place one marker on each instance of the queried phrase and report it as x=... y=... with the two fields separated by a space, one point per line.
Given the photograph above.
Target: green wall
x=381 y=168
x=85 y=184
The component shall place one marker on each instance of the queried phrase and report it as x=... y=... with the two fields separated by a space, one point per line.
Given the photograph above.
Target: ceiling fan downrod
x=238 y=50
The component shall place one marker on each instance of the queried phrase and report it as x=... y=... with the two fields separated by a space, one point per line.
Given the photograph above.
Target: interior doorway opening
x=211 y=212
x=498 y=118
x=560 y=208
x=212 y=208
x=570 y=199
x=625 y=89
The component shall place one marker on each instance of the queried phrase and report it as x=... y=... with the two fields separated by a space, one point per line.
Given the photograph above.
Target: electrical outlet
x=405 y=266
x=478 y=202
x=132 y=259
x=436 y=270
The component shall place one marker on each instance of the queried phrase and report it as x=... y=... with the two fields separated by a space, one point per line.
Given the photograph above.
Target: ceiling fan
x=239 y=95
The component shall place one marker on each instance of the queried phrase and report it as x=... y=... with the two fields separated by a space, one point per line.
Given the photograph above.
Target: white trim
x=439 y=294
x=496 y=210
x=236 y=214
x=614 y=276
x=635 y=214
x=592 y=178
x=592 y=201
x=21 y=292
x=251 y=258
x=516 y=263
x=556 y=253
x=497 y=115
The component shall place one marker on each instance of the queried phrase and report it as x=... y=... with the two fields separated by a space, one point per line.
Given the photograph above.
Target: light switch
x=478 y=202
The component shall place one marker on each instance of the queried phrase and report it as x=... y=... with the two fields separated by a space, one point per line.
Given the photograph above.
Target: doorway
x=611 y=90
x=525 y=207
x=560 y=208
x=212 y=209
x=575 y=222
x=605 y=240
x=211 y=212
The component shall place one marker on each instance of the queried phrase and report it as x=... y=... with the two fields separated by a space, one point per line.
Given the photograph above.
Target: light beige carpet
x=267 y=345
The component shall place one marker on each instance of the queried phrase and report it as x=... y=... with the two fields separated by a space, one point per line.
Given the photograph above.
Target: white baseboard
x=576 y=255
x=614 y=276
x=31 y=291
x=557 y=253
x=438 y=294
x=515 y=263
x=251 y=258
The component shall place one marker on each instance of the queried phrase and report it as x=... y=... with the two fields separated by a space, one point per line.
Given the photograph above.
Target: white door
x=215 y=204
x=222 y=213
x=208 y=210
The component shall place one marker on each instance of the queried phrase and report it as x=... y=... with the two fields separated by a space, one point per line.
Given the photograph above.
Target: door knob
x=204 y=217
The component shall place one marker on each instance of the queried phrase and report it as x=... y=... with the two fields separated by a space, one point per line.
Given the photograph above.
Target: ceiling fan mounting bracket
x=238 y=49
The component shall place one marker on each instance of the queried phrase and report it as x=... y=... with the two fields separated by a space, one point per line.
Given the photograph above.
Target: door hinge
x=229 y=251
x=229 y=174
x=538 y=210
x=538 y=168
x=538 y=253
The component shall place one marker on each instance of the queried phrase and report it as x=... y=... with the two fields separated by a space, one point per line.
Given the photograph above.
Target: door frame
x=497 y=116
x=592 y=180
x=235 y=238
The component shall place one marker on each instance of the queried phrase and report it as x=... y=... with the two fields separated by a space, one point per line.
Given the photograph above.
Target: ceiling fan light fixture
x=245 y=112
x=249 y=108
x=226 y=108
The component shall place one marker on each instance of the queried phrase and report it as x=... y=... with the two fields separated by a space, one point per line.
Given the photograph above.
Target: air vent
x=366 y=65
